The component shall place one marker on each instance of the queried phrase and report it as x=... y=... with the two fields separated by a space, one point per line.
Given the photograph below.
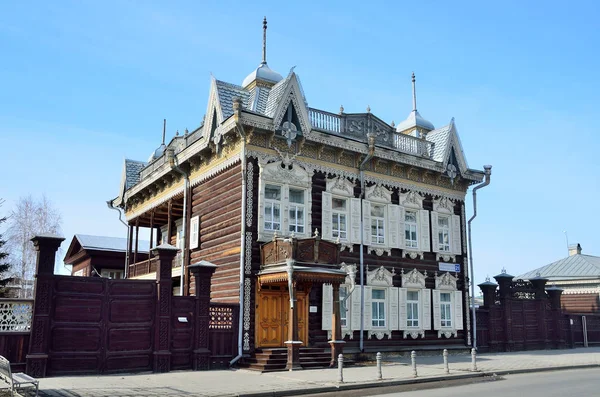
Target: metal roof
x=414 y=119
x=227 y=92
x=132 y=172
x=103 y=243
x=571 y=267
x=440 y=140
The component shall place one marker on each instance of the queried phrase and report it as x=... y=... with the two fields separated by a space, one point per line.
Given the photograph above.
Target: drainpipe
x=110 y=205
x=175 y=166
x=237 y=107
x=488 y=174
x=371 y=140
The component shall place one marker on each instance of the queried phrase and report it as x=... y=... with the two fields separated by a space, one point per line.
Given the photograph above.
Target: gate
x=182 y=331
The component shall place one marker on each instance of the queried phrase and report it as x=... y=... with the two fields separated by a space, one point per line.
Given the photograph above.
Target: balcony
x=149 y=266
x=357 y=125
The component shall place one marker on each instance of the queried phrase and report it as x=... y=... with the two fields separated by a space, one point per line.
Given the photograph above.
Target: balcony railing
x=149 y=266
x=358 y=125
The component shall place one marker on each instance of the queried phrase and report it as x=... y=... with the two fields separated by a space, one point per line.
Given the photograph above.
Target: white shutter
x=354 y=221
x=424 y=241
x=401 y=232
x=368 y=308
x=435 y=247
x=194 y=227
x=458 y=310
x=355 y=311
x=326 y=217
x=437 y=319
x=285 y=212
x=393 y=308
x=426 y=308
x=348 y=307
x=402 y=308
x=393 y=214
x=327 y=309
x=456 y=246
x=366 y=206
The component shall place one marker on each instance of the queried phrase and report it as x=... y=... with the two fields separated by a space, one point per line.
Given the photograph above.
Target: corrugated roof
x=104 y=243
x=571 y=267
x=132 y=172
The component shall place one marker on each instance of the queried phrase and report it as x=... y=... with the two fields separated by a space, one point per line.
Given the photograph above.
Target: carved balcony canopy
x=309 y=252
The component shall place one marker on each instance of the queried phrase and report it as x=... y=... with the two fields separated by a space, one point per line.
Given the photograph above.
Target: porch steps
x=275 y=359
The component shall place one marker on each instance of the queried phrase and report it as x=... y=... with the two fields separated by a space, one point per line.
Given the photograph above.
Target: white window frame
x=344 y=307
x=411 y=304
x=293 y=206
x=446 y=283
x=194 y=232
x=339 y=187
x=381 y=305
x=446 y=310
x=379 y=223
x=287 y=177
x=389 y=224
x=110 y=273
x=444 y=207
x=336 y=229
x=273 y=203
x=414 y=281
x=408 y=227
x=444 y=230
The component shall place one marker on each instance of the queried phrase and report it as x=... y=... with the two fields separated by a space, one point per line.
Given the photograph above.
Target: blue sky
x=86 y=84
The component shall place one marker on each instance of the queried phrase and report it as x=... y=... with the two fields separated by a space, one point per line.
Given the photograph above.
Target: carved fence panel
x=15 y=326
x=223 y=333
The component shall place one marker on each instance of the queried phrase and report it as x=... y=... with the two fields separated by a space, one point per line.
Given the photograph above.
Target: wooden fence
x=15 y=328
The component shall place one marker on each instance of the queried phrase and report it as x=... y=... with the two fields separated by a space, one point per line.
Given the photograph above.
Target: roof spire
x=164 y=130
x=264 y=60
x=414 y=93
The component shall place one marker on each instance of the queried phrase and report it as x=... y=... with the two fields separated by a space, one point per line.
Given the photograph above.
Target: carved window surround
x=414 y=281
x=446 y=283
x=287 y=176
x=444 y=207
x=413 y=201
x=381 y=279
x=341 y=188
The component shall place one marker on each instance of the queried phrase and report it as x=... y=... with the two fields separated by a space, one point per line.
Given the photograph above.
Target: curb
x=409 y=381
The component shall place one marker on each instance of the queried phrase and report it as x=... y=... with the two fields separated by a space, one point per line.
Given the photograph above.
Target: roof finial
x=264 y=60
x=414 y=93
x=164 y=130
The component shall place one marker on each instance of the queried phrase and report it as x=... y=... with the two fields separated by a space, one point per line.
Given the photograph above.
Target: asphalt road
x=572 y=383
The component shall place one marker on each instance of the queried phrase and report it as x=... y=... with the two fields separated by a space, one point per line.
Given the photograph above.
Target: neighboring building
x=578 y=275
x=266 y=167
x=92 y=256
x=19 y=288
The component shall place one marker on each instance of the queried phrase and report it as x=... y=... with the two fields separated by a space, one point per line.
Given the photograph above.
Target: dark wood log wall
x=319 y=337
x=580 y=303
x=218 y=203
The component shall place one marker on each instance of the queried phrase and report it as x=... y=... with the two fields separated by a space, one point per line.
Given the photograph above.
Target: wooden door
x=272 y=317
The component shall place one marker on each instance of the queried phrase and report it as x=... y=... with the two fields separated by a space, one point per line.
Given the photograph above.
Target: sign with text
x=449 y=267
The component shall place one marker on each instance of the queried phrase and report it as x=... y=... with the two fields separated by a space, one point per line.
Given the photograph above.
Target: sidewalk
x=249 y=383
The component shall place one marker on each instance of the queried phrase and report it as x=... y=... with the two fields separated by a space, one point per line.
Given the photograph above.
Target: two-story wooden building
x=264 y=167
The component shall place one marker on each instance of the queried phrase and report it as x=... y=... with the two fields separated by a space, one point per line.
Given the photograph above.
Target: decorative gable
x=378 y=194
x=280 y=172
x=413 y=279
x=380 y=276
x=411 y=199
x=290 y=109
x=445 y=281
x=341 y=186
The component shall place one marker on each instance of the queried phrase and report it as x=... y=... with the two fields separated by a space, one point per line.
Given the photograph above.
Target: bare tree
x=4 y=263
x=28 y=218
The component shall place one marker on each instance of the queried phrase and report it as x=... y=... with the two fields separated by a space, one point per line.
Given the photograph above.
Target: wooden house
x=579 y=277
x=350 y=228
x=101 y=256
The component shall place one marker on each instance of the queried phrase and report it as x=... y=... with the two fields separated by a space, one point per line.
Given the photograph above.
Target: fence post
x=37 y=359
x=445 y=354
x=379 y=375
x=473 y=360
x=341 y=368
x=202 y=273
x=162 y=324
x=413 y=360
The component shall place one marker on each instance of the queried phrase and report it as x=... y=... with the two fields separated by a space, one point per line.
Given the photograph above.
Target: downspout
x=110 y=205
x=488 y=174
x=237 y=107
x=371 y=140
x=175 y=166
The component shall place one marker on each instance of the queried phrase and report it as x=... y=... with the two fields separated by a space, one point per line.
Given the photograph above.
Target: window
x=378 y=308
x=444 y=233
x=410 y=229
x=412 y=308
x=377 y=224
x=339 y=217
x=446 y=309
x=272 y=207
x=297 y=211
x=113 y=274
x=343 y=306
